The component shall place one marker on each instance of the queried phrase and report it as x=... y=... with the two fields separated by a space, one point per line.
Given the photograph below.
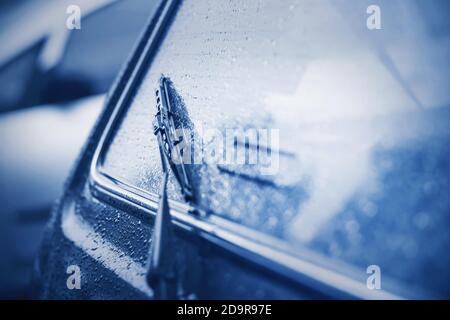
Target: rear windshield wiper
x=168 y=140
x=161 y=275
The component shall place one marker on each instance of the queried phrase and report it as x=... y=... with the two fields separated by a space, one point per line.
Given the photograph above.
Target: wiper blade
x=168 y=140
x=161 y=274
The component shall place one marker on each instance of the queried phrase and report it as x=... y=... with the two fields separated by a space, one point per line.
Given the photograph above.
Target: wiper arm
x=161 y=274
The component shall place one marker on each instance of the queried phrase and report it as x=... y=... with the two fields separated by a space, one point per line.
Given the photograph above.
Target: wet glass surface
x=362 y=117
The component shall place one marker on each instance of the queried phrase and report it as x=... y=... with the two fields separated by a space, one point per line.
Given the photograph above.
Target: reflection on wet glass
x=363 y=120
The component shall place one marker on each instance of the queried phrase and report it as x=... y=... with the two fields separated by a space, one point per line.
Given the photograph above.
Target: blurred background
x=53 y=81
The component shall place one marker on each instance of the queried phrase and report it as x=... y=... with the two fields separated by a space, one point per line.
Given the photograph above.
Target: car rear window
x=362 y=117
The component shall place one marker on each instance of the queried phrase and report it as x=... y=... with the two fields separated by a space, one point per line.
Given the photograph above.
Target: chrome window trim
x=258 y=248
